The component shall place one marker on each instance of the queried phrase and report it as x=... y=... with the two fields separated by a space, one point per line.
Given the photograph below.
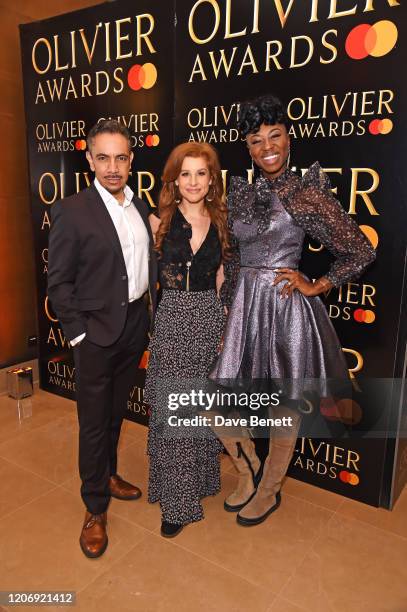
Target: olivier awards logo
x=56 y=337
x=341 y=115
x=61 y=374
x=327 y=460
x=108 y=45
x=213 y=124
x=61 y=137
x=282 y=52
x=143 y=128
x=135 y=401
x=352 y=302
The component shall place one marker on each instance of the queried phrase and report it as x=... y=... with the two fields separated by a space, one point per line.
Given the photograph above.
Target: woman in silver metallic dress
x=278 y=328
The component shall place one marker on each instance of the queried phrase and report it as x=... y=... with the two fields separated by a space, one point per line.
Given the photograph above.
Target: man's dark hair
x=107 y=126
x=265 y=109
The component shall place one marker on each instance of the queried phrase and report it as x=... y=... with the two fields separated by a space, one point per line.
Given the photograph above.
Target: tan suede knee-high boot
x=244 y=457
x=267 y=497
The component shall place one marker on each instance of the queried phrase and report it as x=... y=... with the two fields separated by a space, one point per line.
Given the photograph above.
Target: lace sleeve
x=231 y=266
x=320 y=215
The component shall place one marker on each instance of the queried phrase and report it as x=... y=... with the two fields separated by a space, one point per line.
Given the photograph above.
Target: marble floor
x=318 y=553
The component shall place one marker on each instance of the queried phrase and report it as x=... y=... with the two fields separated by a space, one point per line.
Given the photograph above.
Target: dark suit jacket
x=87 y=277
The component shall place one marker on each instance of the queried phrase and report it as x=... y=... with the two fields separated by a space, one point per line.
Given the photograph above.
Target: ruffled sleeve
x=311 y=203
x=231 y=266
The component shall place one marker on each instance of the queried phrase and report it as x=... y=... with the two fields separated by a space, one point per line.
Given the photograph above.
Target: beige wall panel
x=17 y=276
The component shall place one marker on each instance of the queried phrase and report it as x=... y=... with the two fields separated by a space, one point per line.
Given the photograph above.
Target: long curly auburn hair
x=216 y=208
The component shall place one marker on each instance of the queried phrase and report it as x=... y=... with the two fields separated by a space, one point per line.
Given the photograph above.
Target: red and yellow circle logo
x=152 y=140
x=380 y=126
x=349 y=477
x=343 y=410
x=364 y=316
x=142 y=76
x=374 y=40
x=80 y=145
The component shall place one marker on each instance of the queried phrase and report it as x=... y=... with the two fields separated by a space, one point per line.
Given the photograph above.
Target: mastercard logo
x=380 y=126
x=349 y=477
x=142 y=76
x=370 y=234
x=344 y=410
x=152 y=140
x=364 y=316
x=374 y=40
x=80 y=145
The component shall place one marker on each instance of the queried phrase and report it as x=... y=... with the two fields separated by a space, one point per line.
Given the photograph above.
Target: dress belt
x=267 y=269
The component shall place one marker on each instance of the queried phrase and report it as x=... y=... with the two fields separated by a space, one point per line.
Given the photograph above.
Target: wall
x=17 y=284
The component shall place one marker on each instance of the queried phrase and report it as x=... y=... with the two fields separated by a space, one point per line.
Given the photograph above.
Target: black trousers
x=104 y=378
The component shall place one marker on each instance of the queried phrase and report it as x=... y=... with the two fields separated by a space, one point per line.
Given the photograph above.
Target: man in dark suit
x=101 y=268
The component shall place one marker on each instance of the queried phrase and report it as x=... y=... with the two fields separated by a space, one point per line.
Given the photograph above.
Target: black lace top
x=177 y=253
x=309 y=201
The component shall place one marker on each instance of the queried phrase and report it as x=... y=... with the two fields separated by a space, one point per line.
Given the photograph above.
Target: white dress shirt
x=134 y=241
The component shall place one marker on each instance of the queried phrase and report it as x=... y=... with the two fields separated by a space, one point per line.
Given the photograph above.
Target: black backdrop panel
x=339 y=69
x=346 y=113
x=114 y=60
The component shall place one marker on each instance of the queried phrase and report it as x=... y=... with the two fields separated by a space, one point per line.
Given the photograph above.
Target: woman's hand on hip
x=295 y=280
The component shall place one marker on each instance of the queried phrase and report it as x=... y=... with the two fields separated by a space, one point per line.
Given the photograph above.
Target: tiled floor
x=318 y=553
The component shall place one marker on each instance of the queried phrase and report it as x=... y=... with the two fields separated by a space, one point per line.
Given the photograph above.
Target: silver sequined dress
x=291 y=339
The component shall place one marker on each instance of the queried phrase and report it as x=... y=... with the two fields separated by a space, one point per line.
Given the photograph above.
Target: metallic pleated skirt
x=289 y=342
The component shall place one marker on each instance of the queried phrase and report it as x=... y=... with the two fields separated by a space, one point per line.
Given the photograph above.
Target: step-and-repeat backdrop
x=115 y=60
x=176 y=71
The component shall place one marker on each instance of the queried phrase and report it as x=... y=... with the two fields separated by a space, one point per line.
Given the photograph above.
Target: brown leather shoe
x=120 y=489
x=93 y=538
